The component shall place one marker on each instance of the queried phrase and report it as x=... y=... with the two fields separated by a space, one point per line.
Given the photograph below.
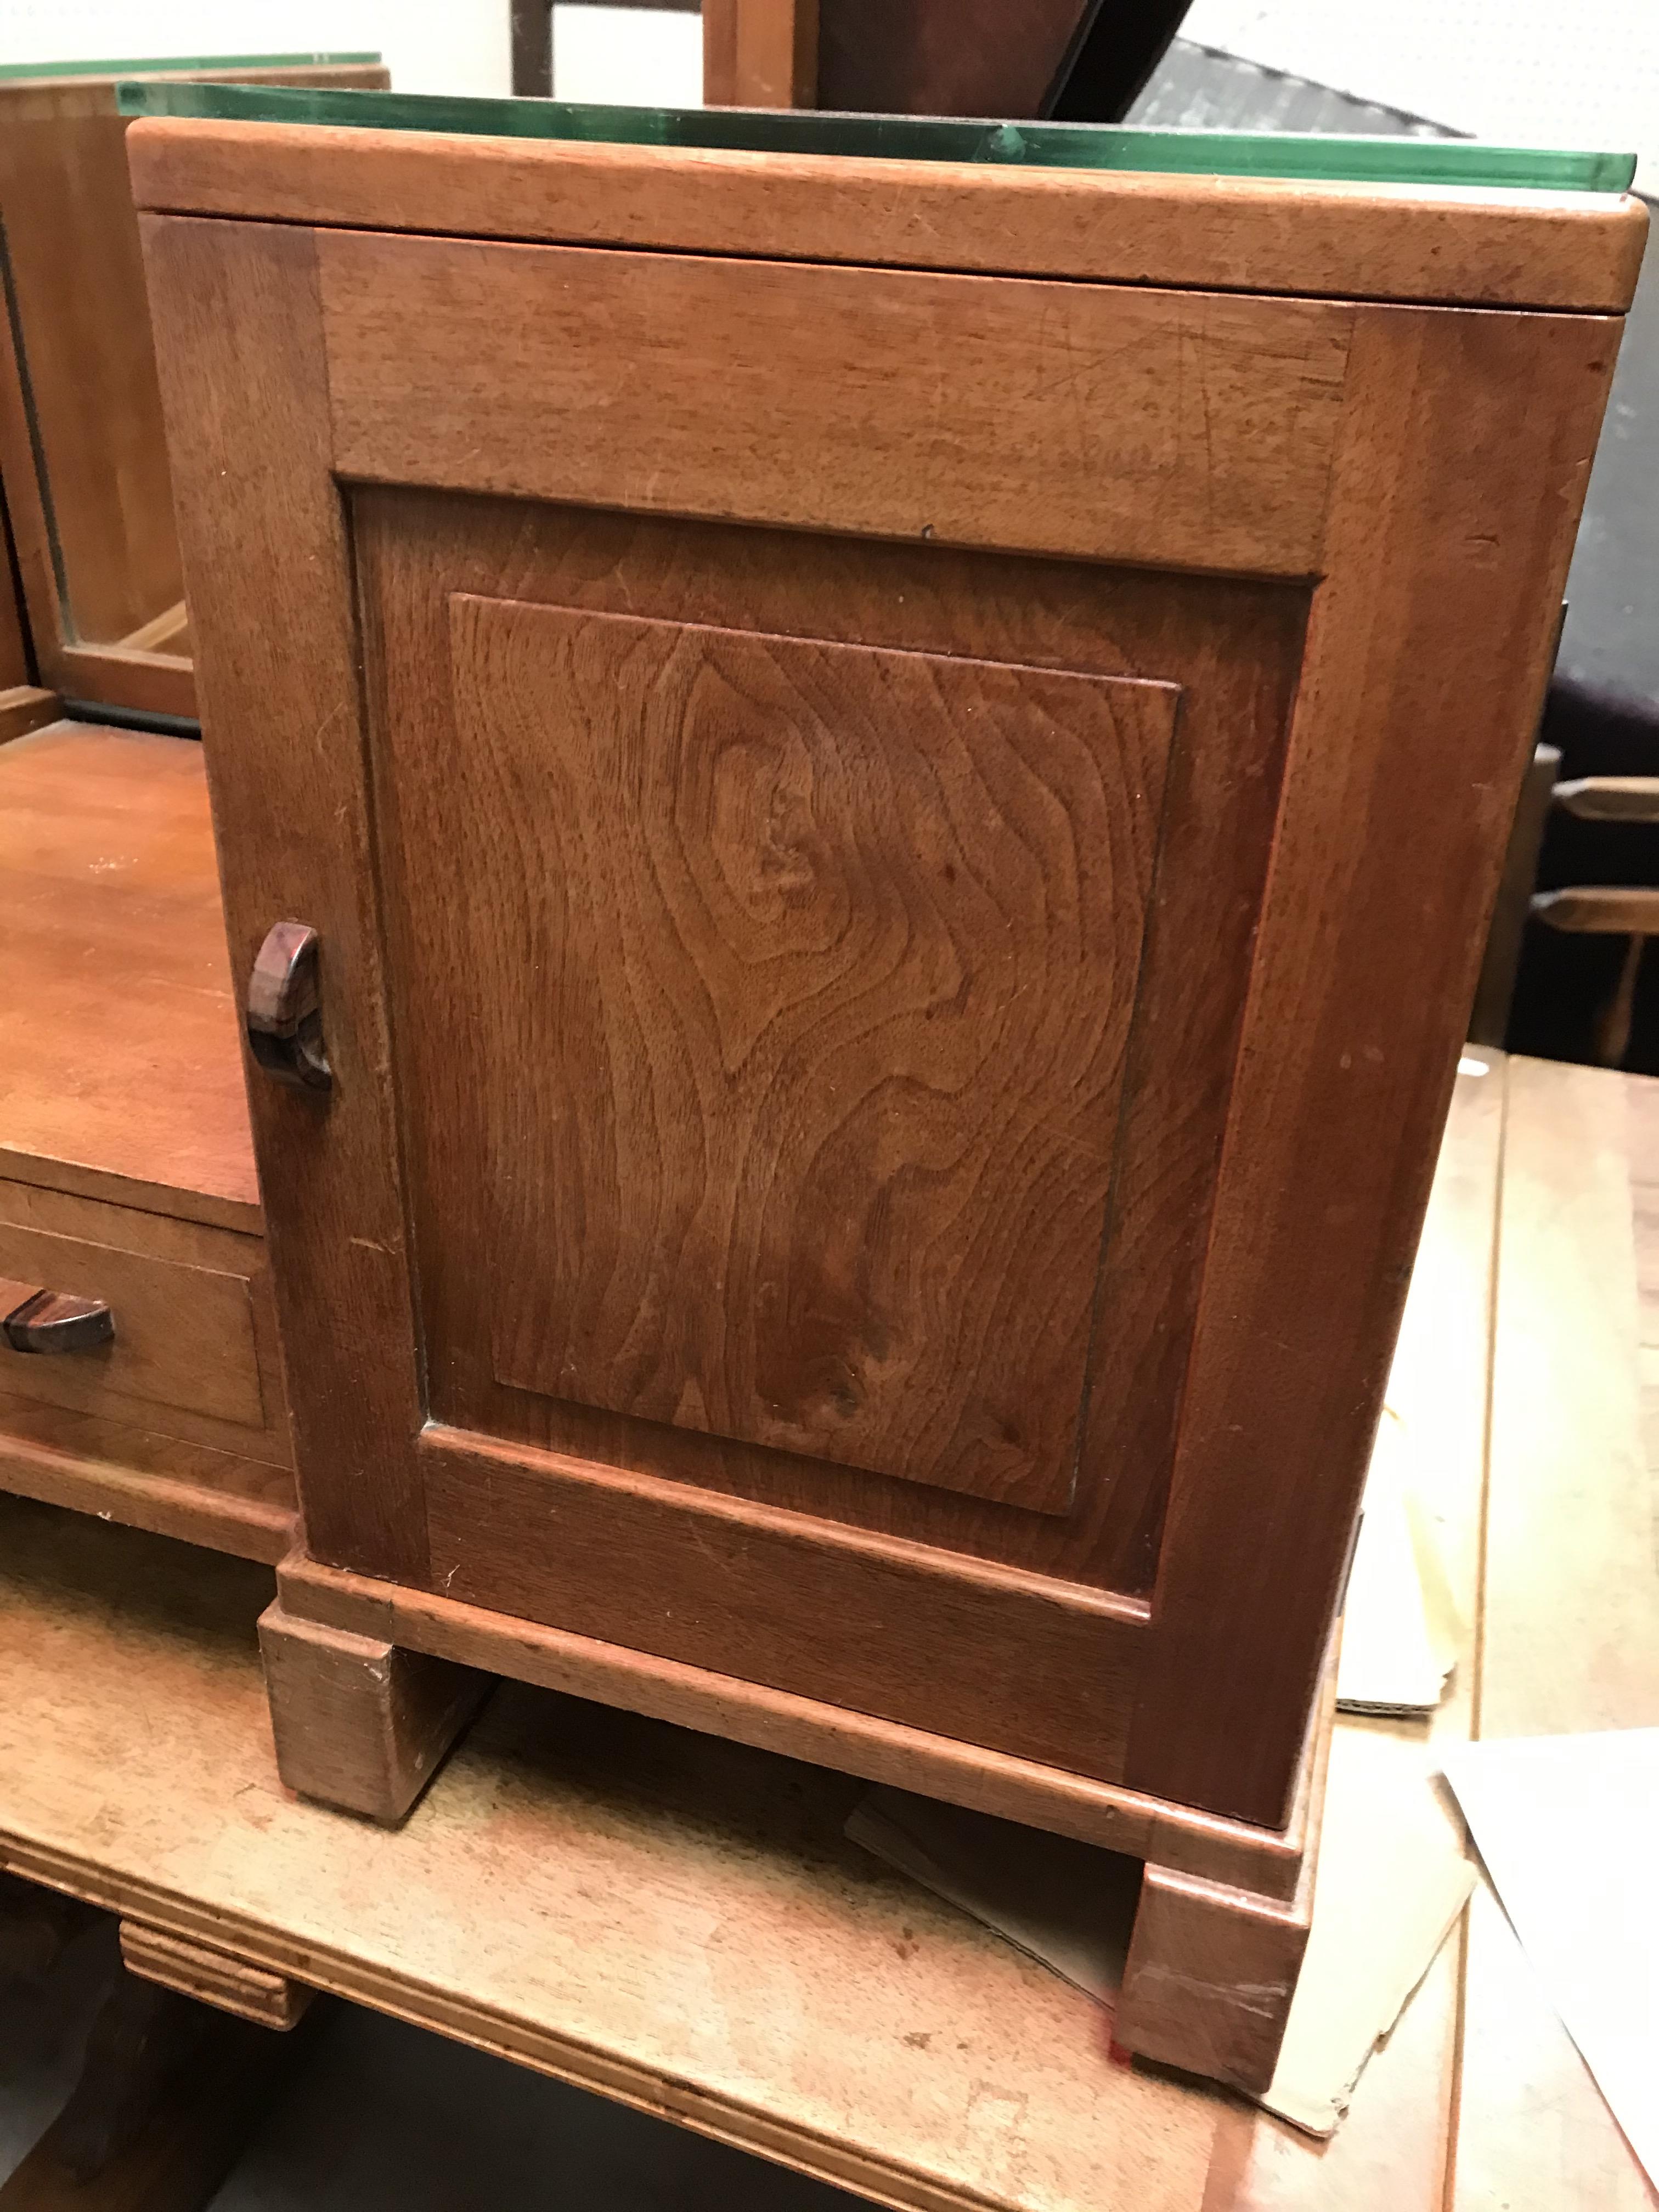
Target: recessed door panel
x=809 y=997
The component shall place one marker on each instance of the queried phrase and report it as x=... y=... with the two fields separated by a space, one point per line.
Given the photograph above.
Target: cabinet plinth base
x=371 y=1682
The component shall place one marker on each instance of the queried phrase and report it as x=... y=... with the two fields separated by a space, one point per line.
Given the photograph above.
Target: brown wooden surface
x=187 y=1353
x=122 y=1075
x=1478 y=427
x=1195 y=432
x=760 y=53
x=1474 y=246
x=1456 y=499
x=819 y=2040
x=95 y=538
x=358 y=1723
x=86 y=364
x=278 y=525
x=841 y=1153
x=126 y=1166
x=1494 y=993
x=1209 y=1976
x=1268 y=1861
x=25 y=707
x=942 y=56
x=1233 y=649
x=213 y=1977
x=16 y=668
x=223 y=1499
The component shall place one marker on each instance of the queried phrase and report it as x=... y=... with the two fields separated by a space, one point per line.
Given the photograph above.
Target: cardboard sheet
x=1399 y=1627
x=1568 y=1828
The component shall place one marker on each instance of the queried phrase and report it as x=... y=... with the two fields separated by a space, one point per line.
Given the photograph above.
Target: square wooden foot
x=360 y=1725
x=1209 y=1977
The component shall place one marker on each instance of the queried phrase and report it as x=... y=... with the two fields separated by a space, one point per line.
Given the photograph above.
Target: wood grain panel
x=1212 y=233
x=1458 y=490
x=803 y=994
x=1165 y=427
x=1233 y=647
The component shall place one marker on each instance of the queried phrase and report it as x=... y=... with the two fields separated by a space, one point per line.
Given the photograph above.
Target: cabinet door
x=862 y=825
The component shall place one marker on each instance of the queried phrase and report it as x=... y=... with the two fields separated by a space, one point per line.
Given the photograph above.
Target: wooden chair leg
x=360 y=1725
x=168 y=2095
x=37 y=1926
x=1209 y=1977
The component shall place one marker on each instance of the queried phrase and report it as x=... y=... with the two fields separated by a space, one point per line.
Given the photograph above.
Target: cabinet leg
x=1209 y=1977
x=360 y=1725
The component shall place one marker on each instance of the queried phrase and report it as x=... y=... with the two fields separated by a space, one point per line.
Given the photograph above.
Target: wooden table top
x=679 y=1923
x=121 y=1069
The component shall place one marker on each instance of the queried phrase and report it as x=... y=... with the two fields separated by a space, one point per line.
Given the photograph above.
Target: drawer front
x=185 y=1355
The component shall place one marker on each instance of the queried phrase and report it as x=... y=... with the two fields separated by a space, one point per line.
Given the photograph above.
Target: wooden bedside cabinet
x=878 y=774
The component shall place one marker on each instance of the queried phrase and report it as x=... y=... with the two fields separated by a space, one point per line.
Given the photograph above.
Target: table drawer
x=185 y=1357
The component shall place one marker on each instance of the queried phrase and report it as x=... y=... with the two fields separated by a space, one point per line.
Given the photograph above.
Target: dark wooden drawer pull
x=284 y=1009
x=56 y=1321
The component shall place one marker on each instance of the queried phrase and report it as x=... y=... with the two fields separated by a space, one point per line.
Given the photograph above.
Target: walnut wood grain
x=122 y=1074
x=1464 y=245
x=850 y=1198
x=1186 y=431
x=1234 y=650
x=1265 y=1861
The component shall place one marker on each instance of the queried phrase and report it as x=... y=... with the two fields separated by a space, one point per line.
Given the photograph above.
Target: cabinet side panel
x=1458 y=482
x=238 y=340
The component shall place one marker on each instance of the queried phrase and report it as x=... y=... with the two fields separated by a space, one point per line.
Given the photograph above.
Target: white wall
x=651 y=57
x=1525 y=72
x=647 y=56
x=430 y=45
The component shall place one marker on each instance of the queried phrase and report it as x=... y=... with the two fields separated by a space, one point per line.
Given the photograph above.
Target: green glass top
x=908 y=137
x=10 y=72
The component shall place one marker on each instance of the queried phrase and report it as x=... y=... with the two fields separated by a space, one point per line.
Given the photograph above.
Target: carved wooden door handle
x=52 y=1320
x=284 y=1009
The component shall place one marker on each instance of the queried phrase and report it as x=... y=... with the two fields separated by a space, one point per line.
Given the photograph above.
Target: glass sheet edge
x=1119 y=147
